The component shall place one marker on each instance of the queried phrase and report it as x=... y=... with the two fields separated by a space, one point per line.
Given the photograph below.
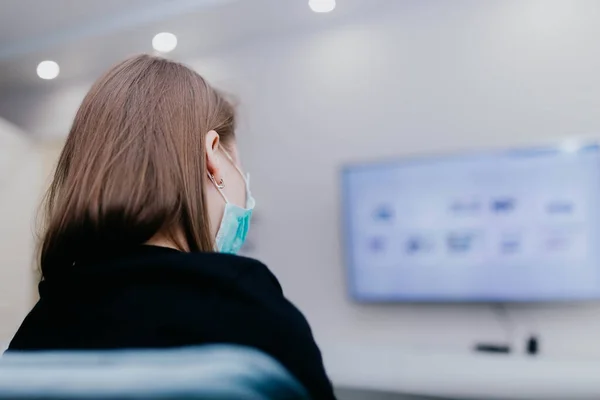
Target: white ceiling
x=29 y=25
x=86 y=36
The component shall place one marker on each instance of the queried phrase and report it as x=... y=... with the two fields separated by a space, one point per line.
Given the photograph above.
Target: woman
x=147 y=200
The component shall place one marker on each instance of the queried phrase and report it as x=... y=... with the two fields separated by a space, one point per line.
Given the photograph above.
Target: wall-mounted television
x=502 y=226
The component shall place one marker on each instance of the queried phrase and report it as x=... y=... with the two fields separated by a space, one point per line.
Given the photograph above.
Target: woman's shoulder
x=245 y=270
x=162 y=268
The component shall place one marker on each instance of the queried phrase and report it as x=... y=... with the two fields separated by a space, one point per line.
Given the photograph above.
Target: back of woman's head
x=134 y=164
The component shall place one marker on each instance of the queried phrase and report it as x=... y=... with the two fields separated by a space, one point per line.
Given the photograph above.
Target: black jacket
x=153 y=297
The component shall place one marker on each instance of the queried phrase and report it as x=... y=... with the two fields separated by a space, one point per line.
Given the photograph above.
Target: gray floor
x=353 y=394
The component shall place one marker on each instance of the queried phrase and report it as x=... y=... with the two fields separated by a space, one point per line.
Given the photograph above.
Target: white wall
x=424 y=76
x=428 y=76
x=20 y=188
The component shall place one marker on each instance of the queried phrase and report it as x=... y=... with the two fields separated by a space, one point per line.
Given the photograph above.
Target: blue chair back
x=219 y=372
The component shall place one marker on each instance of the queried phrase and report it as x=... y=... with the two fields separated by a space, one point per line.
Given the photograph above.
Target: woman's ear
x=212 y=159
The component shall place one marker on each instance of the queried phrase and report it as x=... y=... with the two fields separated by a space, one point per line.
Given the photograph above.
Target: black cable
x=506 y=323
x=504 y=318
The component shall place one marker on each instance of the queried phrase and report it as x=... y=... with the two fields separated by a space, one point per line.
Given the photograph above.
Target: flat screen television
x=506 y=226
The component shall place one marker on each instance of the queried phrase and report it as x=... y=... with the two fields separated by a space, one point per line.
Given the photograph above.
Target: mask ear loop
x=246 y=178
x=235 y=165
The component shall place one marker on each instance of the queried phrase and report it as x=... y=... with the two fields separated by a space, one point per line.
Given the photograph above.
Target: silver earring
x=220 y=185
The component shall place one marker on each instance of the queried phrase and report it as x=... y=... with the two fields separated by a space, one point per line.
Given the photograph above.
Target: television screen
x=511 y=226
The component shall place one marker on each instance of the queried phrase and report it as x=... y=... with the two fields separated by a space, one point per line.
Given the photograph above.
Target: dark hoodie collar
x=141 y=263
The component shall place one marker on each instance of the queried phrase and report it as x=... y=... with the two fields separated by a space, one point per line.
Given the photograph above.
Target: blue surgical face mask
x=235 y=223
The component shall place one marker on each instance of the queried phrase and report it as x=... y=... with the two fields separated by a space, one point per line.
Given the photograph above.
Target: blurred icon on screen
x=377 y=244
x=465 y=207
x=460 y=242
x=560 y=207
x=510 y=245
x=384 y=213
x=557 y=243
x=503 y=205
x=418 y=245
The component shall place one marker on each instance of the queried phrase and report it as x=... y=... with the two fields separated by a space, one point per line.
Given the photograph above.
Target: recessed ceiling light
x=321 y=6
x=164 y=42
x=48 y=70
